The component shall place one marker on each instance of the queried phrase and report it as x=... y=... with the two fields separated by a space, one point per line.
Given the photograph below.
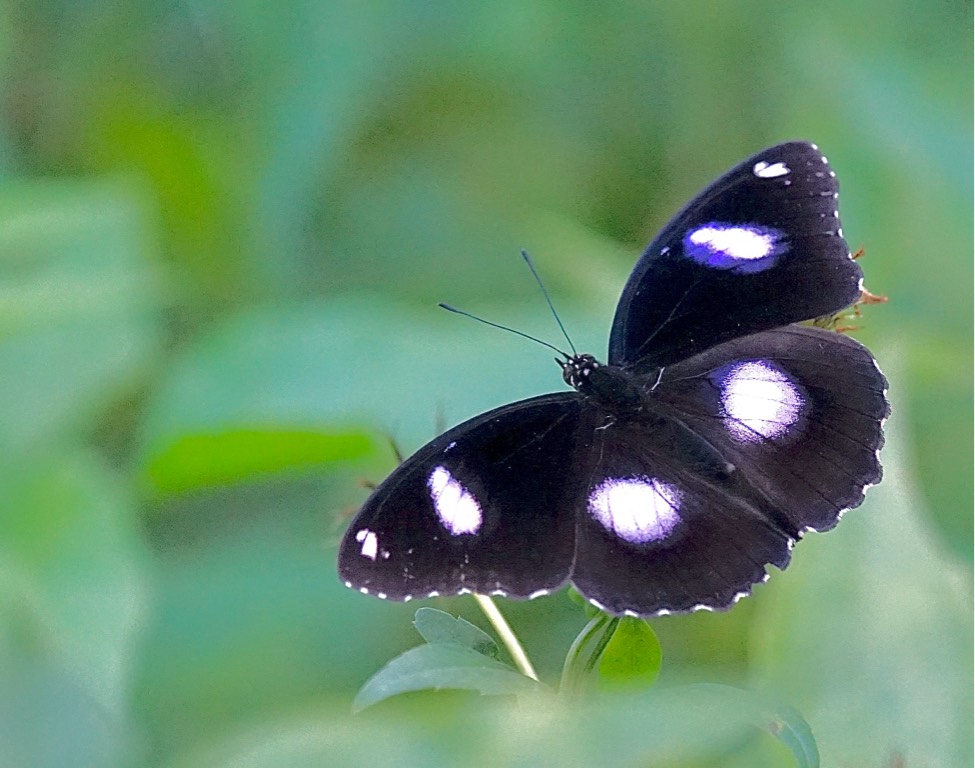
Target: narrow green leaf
x=196 y=460
x=442 y=665
x=791 y=728
x=440 y=627
x=769 y=714
x=632 y=657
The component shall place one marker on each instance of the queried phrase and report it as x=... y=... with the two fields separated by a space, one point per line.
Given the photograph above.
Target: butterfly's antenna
x=551 y=306
x=503 y=328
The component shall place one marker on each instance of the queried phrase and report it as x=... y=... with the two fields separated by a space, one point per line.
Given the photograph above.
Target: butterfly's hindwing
x=760 y=248
x=799 y=412
x=666 y=524
x=483 y=508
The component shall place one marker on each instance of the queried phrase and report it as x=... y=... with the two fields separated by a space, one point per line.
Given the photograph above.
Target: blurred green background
x=223 y=232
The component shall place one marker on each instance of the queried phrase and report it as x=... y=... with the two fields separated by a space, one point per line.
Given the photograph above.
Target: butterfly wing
x=482 y=508
x=760 y=248
x=799 y=411
x=664 y=527
x=754 y=441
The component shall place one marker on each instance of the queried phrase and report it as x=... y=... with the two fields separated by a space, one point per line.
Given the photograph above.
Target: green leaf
x=79 y=301
x=440 y=627
x=685 y=725
x=632 y=657
x=767 y=713
x=791 y=728
x=73 y=573
x=443 y=665
x=313 y=738
x=325 y=50
x=198 y=460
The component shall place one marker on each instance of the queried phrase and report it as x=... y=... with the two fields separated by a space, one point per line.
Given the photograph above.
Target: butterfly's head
x=576 y=369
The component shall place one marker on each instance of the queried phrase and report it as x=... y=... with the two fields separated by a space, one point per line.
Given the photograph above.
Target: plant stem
x=508 y=636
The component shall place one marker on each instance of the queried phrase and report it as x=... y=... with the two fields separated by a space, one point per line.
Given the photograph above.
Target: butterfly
x=667 y=479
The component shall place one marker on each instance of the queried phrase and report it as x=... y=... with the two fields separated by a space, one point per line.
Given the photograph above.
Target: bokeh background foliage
x=223 y=228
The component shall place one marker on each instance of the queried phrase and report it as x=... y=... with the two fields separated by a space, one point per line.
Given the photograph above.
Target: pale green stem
x=508 y=637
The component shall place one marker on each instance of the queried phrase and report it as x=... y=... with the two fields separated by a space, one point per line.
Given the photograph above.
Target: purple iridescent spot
x=736 y=247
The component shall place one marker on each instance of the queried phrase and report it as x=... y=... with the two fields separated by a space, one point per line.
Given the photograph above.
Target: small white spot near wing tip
x=370 y=543
x=539 y=593
x=814 y=146
x=766 y=170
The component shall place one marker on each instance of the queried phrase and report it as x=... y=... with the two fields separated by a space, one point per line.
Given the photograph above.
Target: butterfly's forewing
x=760 y=248
x=799 y=411
x=483 y=508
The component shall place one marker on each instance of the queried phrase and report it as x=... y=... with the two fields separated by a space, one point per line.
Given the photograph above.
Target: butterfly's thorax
x=611 y=386
x=627 y=399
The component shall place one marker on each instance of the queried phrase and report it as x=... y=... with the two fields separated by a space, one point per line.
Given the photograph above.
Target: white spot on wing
x=760 y=402
x=457 y=509
x=742 y=247
x=637 y=509
x=370 y=544
x=736 y=242
x=770 y=170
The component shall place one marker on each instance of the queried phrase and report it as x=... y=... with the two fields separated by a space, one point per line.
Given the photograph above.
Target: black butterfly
x=667 y=480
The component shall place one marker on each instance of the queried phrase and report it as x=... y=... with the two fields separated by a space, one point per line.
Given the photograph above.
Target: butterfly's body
x=717 y=433
x=609 y=386
x=617 y=395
